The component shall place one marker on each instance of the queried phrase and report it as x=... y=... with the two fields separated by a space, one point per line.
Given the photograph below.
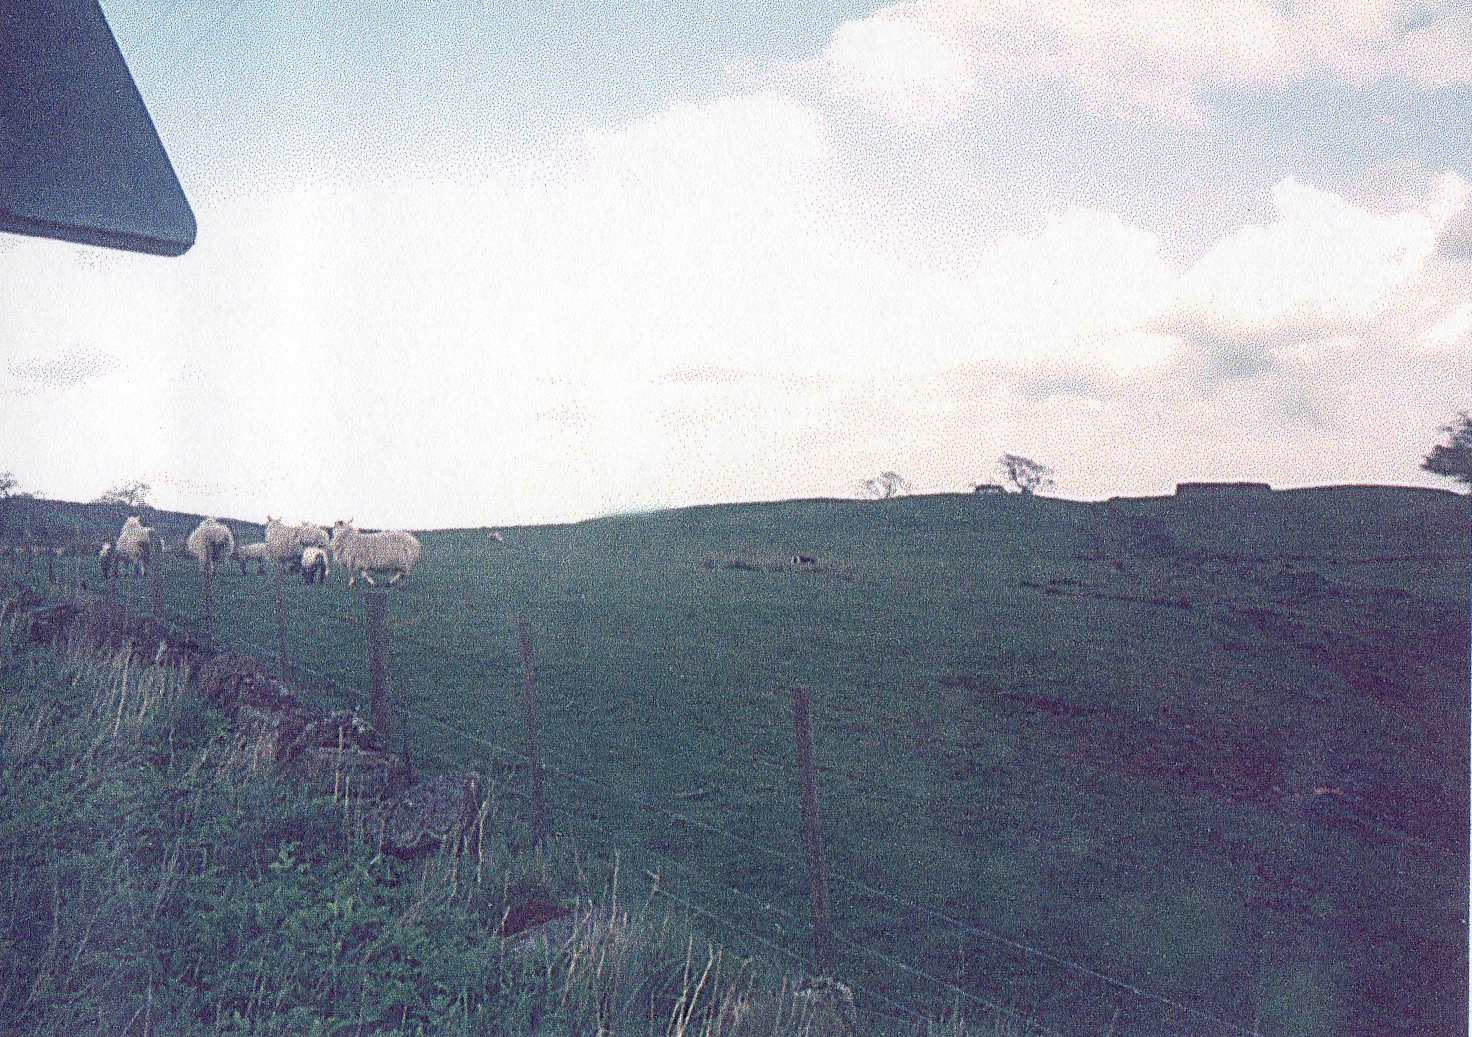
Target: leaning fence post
x=533 y=747
x=812 y=824
x=281 y=621
x=380 y=700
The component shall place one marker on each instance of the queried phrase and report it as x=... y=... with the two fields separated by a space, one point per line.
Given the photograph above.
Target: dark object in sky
x=80 y=159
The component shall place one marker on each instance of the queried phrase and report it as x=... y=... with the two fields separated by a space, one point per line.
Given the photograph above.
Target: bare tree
x=1453 y=458
x=886 y=485
x=8 y=484
x=1024 y=473
x=131 y=494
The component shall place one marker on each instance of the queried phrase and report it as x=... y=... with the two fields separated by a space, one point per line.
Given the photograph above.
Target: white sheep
x=211 y=543
x=393 y=551
x=282 y=544
x=314 y=565
x=136 y=545
x=310 y=535
x=108 y=557
x=258 y=553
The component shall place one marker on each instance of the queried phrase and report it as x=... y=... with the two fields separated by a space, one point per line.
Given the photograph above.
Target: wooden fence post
x=209 y=602
x=156 y=589
x=812 y=824
x=380 y=694
x=533 y=746
x=281 y=621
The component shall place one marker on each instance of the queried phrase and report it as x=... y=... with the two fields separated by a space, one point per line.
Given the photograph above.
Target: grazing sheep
x=211 y=544
x=136 y=545
x=393 y=551
x=314 y=566
x=309 y=535
x=285 y=544
x=282 y=544
x=259 y=553
x=108 y=558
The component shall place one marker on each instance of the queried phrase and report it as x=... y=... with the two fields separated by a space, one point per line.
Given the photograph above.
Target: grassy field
x=1130 y=764
x=159 y=880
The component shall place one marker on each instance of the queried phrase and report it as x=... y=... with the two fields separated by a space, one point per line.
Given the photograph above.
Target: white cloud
x=702 y=305
x=928 y=61
x=911 y=70
x=1322 y=267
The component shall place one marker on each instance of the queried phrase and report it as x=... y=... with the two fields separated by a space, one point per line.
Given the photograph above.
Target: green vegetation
x=157 y=882
x=1216 y=750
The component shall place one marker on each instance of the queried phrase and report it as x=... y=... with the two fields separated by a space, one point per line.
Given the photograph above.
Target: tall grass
x=154 y=879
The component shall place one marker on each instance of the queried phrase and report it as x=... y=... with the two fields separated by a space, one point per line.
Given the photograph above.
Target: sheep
x=258 y=553
x=282 y=544
x=136 y=545
x=310 y=535
x=108 y=557
x=393 y=551
x=210 y=544
x=314 y=566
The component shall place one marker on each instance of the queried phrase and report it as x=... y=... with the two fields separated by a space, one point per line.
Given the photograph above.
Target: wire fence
x=253 y=634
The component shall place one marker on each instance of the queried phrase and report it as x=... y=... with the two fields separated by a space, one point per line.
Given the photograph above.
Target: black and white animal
x=285 y=544
x=314 y=565
x=136 y=545
x=804 y=560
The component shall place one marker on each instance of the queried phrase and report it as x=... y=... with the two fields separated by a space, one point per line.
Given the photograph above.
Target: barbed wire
x=1272 y=821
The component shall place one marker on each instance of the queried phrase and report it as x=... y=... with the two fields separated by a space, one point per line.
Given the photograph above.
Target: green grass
x=1217 y=751
x=155 y=881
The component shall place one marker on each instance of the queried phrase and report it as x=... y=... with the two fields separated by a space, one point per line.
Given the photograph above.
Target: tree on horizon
x=8 y=484
x=1453 y=458
x=886 y=485
x=130 y=494
x=1023 y=473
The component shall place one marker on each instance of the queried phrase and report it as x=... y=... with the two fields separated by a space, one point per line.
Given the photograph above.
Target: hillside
x=189 y=847
x=1152 y=764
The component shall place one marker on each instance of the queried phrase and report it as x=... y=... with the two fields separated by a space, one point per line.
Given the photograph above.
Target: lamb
x=285 y=544
x=211 y=543
x=258 y=553
x=108 y=557
x=394 y=551
x=136 y=545
x=314 y=566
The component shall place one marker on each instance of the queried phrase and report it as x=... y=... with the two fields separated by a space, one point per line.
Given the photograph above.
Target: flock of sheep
x=306 y=548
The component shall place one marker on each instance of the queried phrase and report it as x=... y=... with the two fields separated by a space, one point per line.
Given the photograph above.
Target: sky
x=479 y=264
